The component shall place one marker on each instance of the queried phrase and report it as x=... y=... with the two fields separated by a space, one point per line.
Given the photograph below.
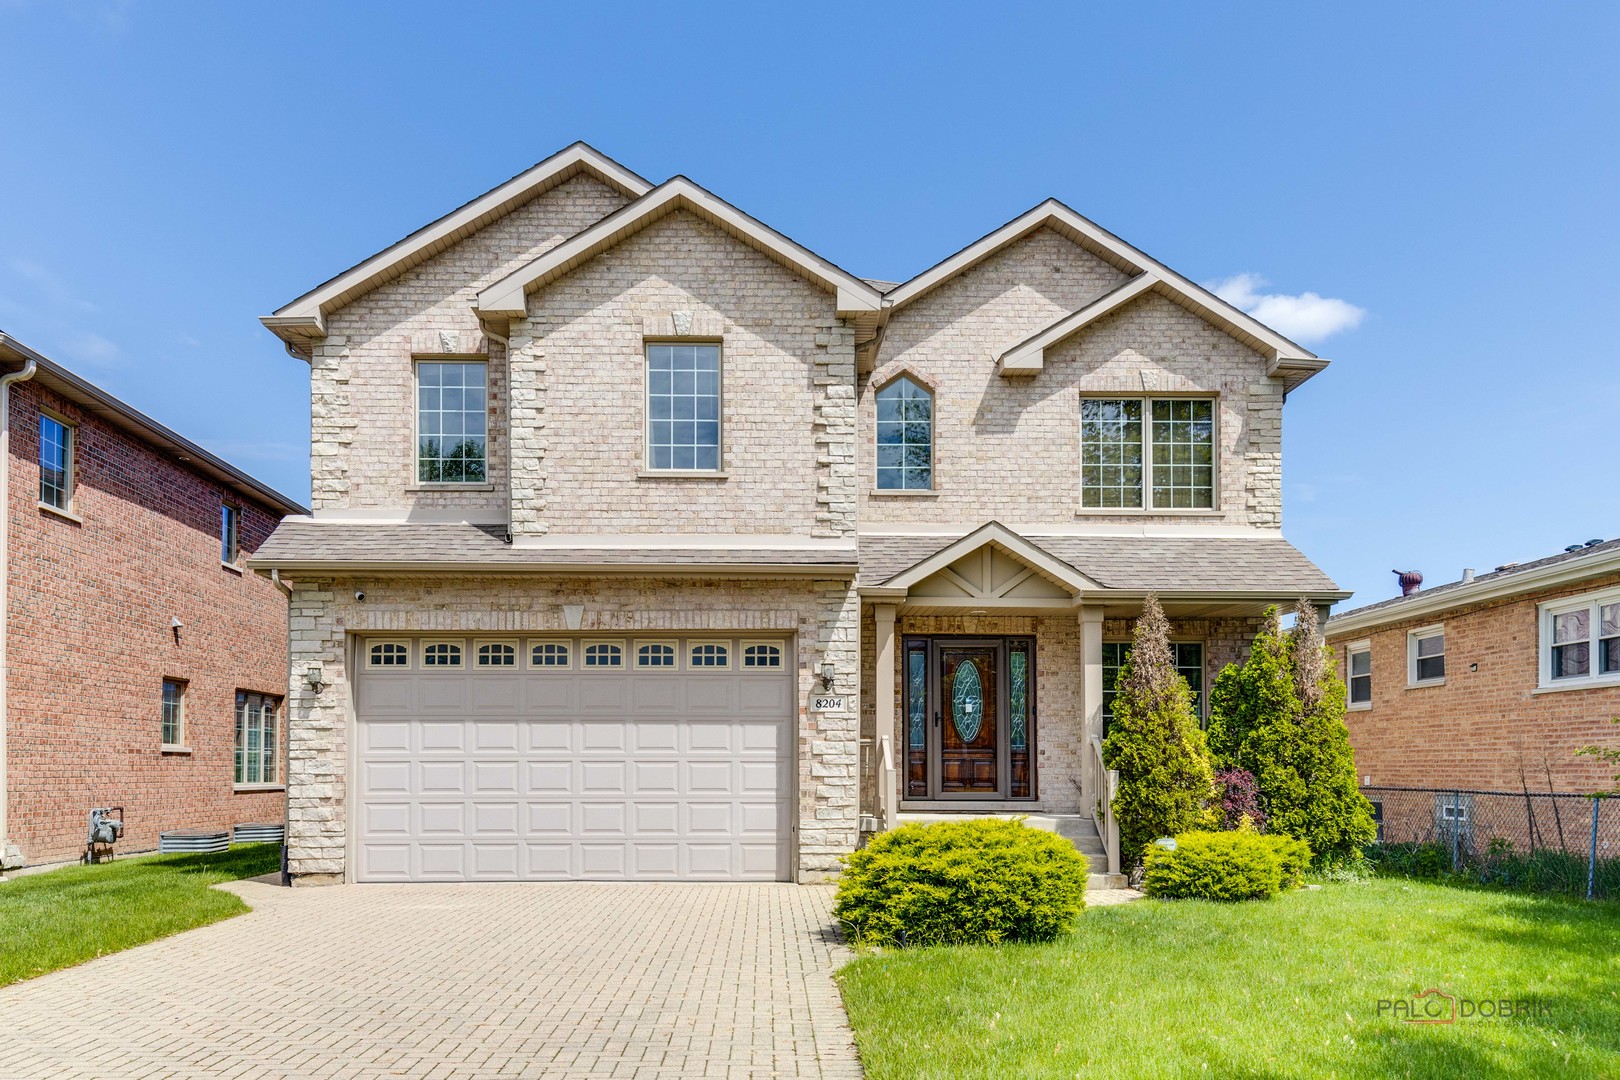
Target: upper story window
x=1426 y=656
x=905 y=437
x=1580 y=640
x=1168 y=466
x=56 y=440
x=683 y=407
x=451 y=437
x=1358 y=673
x=230 y=520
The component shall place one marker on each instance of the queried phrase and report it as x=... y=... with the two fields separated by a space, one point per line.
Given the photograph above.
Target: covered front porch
x=988 y=663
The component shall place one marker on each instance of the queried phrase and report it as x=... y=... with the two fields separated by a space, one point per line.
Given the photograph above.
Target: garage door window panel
x=655 y=654
x=766 y=655
x=709 y=655
x=551 y=655
x=388 y=654
x=441 y=654
x=604 y=654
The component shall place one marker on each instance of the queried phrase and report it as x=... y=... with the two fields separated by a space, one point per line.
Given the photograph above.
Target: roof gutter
x=8 y=856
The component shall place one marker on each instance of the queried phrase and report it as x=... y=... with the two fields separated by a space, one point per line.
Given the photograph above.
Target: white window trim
x=724 y=643
x=1412 y=637
x=427 y=643
x=183 y=746
x=620 y=666
x=70 y=478
x=1545 y=612
x=371 y=665
x=641 y=643
x=933 y=437
x=515 y=646
x=1352 y=649
x=781 y=652
x=648 y=470
x=416 y=481
x=534 y=643
x=1147 y=506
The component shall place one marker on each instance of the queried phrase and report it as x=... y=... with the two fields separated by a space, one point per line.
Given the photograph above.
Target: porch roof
x=1137 y=564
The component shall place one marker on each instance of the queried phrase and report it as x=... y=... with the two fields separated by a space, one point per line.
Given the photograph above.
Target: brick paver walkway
x=456 y=981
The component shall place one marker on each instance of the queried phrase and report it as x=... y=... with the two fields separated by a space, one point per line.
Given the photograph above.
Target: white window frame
x=584 y=646
x=1357 y=648
x=648 y=468
x=230 y=533
x=1545 y=613
x=479 y=644
x=746 y=644
x=933 y=434
x=371 y=663
x=70 y=469
x=532 y=644
x=461 y=654
x=643 y=643
x=693 y=644
x=278 y=757
x=1147 y=506
x=416 y=425
x=1412 y=639
x=178 y=744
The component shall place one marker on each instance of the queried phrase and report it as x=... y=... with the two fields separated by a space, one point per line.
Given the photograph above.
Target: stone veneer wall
x=823 y=615
x=1009 y=448
x=362 y=386
x=579 y=392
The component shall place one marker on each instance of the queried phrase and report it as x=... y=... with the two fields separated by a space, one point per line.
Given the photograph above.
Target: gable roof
x=1591 y=560
x=304 y=319
x=1291 y=361
x=15 y=356
x=993 y=532
x=506 y=298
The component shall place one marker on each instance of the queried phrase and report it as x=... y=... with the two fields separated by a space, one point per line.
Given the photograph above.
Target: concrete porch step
x=1078 y=829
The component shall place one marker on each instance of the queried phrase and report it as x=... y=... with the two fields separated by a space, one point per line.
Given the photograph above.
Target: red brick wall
x=1482 y=729
x=90 y=607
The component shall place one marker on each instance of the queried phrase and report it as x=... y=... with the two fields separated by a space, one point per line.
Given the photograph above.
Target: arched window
x=905 y=437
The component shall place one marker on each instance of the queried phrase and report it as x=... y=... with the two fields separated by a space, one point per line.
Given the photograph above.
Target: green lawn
x=1282 y=988
x=65 y=917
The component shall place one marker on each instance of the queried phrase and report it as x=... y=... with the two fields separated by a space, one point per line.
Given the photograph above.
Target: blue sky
x=1446 y=172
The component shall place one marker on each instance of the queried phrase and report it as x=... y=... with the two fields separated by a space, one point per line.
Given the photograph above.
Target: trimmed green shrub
x=980 y=881
x=1237 y=865
x=1281 y=716
x=1154 y=741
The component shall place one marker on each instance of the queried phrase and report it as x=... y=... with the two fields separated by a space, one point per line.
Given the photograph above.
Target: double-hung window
x=258 y=737
x=1156 y=453
x=174 y=713
x=1426 y=656
x=452 y=441
x=683 y=407
x=1580 y=640
x=905 y=437
x=56 y=439
x=1358 y=674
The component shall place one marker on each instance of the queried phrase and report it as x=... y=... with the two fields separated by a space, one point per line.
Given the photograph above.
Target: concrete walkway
x=457 y=981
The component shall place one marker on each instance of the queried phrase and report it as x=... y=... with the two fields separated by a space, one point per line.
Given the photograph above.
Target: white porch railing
x=888 y=782
x=1104 y=781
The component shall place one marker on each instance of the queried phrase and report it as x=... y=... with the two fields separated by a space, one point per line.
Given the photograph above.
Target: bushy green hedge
x=1238 y=865
x=980 y=881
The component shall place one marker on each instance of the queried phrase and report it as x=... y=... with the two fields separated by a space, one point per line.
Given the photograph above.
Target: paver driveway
x=456 y=980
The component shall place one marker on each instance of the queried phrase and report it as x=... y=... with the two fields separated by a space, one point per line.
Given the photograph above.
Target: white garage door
x=541 y=759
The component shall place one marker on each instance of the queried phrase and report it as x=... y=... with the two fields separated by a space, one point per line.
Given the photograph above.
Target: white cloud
x=1306 y=318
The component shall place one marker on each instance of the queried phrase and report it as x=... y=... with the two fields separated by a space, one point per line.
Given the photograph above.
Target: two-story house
x=649 y=544
x=141 y=666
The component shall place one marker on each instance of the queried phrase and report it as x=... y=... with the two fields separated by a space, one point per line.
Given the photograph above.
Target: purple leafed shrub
x=1239 y=798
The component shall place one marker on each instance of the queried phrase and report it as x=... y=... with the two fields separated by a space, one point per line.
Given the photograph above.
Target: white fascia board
x=1029 y=355
x=996 y=533
x=1572 y=572
x=506 y=297
x=578 y=157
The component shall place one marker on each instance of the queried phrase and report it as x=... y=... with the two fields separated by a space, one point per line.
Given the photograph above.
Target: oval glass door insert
x=967 y=701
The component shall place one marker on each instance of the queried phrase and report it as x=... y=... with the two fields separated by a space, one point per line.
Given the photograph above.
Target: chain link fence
x=1539 y=842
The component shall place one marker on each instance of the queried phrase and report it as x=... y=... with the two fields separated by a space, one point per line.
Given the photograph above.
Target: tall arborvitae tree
x=1165 y=780
x=1281 y=716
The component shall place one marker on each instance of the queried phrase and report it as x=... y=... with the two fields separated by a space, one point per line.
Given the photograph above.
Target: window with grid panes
x=683 y=407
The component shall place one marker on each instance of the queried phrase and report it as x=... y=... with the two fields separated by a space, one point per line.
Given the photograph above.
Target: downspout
x=6 y=382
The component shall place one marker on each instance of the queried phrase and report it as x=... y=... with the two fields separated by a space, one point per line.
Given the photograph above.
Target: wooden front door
x=970 y=735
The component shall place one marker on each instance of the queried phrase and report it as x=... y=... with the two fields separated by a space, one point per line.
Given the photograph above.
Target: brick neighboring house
x=135 y=645
x=648 y=543
x=1492 y=682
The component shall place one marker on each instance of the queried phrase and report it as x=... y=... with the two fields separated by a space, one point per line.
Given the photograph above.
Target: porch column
x=1091 y=673
x=888 y=754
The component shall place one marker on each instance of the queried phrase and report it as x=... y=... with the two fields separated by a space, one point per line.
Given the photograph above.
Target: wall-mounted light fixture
x=827 y=673
x=313 y=678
